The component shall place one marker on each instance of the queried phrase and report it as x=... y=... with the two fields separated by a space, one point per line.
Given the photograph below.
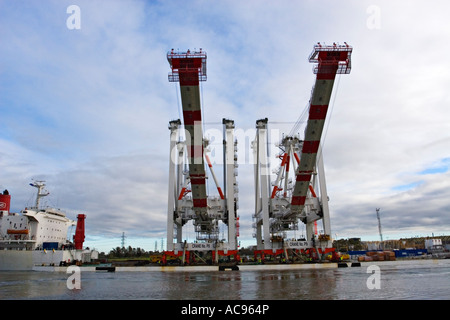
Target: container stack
x=377 y=256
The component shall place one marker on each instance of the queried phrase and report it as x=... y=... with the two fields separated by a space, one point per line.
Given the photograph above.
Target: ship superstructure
x=35 y=227
x=37 y=235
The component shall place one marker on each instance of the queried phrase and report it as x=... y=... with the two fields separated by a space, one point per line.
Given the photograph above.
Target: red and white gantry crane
x=188 y=194
x=280 y=208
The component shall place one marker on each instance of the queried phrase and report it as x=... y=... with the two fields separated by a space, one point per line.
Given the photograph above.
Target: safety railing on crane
x=331 y=58
x=188 y=63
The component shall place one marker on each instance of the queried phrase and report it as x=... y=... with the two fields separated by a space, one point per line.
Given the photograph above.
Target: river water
x=425 y=281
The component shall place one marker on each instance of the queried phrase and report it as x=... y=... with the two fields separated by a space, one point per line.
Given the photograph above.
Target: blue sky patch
x=442 y=167
x=406 y=187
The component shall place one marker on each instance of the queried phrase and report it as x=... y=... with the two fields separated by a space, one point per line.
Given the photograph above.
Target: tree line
x=130 y=252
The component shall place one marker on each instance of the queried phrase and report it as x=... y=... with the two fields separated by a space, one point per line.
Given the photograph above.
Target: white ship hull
x=16 y=260
x=25 y=260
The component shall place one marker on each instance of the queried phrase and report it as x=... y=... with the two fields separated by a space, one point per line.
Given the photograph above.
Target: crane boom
x=189 y=68
x=329 y=61
x=379 y=224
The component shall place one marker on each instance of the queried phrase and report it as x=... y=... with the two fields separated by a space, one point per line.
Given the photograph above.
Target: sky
x=85 y=105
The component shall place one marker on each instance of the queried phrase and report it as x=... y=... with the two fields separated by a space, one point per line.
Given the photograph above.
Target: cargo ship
x=39 y=236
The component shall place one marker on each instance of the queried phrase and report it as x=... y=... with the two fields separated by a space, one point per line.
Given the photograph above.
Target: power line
x=123 y=239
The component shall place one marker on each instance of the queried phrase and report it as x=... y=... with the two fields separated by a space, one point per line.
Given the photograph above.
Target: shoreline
x=250 y=267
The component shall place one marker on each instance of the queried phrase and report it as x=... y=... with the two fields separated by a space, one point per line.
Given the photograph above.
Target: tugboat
x=38 y=236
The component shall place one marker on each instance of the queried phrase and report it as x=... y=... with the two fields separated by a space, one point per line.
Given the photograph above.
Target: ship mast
x=41 y=192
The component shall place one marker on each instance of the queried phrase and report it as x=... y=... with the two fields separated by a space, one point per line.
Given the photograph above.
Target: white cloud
x=88 y=109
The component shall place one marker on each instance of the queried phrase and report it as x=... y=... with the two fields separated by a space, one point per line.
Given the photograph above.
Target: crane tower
x=280 y=205
x=188 y=196
x=379 y=226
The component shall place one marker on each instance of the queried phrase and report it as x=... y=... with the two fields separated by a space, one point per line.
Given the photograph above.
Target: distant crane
x=379 y=225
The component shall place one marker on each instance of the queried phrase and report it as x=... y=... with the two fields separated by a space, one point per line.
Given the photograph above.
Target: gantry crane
x=188 y=196
x=278 y=210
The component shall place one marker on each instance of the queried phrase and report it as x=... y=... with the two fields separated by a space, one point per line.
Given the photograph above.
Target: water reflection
x=287 y=285
x=209 y=285
x=343 y=283
x=259 y=285
x=31 y=285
